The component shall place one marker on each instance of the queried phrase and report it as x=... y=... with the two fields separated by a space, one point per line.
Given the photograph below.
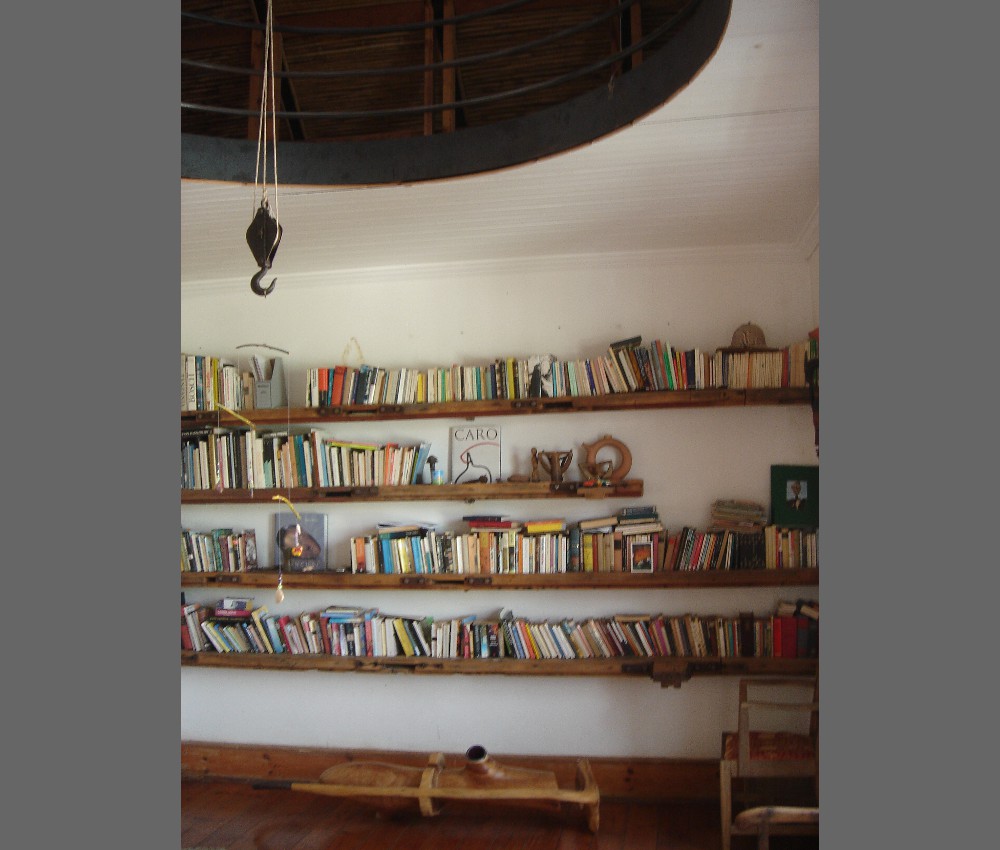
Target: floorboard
x=236 y=816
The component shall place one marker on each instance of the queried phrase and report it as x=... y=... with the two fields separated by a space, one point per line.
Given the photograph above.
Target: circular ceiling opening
x=398 y=91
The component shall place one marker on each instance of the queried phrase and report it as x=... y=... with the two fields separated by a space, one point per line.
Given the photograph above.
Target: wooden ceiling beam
x=287 y=101
x=449 y=52
x=428 y=73
x=390 y=14
x=210 y=38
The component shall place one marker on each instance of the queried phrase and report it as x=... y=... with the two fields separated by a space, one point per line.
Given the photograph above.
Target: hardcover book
x=475 y=454
x=300 y=544
x=795 y=496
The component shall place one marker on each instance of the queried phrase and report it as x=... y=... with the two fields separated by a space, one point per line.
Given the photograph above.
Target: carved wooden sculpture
x=394 y=787
x=555 y=463
x=607 y=473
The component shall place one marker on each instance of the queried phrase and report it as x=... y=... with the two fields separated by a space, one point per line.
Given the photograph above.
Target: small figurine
x=521 y=478
x=536 y=475
x=555 y=463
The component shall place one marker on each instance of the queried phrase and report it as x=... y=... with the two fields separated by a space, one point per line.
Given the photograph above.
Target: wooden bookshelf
x=668 y=671
x=331 y=580
x=650 y=400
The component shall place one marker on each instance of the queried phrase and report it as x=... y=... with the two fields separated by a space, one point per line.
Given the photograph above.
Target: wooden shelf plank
x=652 y=400
x=402 y=664
x=671 y=672
x=562 y=581
x=663 y=670
x=627 y=489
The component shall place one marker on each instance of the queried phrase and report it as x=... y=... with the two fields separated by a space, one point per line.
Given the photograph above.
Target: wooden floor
x=236 y=816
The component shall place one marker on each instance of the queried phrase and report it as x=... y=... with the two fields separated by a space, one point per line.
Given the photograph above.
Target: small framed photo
x=795 y=496
x=640 y=556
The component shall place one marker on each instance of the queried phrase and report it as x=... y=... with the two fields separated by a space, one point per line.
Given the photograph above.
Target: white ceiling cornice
x=612 y=263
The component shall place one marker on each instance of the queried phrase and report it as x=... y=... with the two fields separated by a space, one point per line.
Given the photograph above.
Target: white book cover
x=475 y=453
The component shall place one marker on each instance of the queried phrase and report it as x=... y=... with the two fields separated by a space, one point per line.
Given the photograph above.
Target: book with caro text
x=475 y=453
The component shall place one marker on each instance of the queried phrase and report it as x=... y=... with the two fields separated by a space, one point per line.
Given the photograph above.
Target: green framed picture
x=795 y=496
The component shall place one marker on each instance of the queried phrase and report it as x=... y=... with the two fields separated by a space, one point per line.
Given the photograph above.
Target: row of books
x=351 y=464
x=763 y=368
x=357 y=632
x=207 y=382
x=501 y=545
x=771 y=548
x=526 y=548
x=244 y=458
x=629 y=365
x=642 y=367
x=504 y=378
x=696 y=549
x=436 y=552
x=221 y=550
x=791 y=548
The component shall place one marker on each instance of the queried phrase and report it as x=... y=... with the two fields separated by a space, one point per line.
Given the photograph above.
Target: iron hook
x=255 y=283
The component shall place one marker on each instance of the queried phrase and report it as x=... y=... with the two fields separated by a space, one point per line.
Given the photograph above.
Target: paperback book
x=475 y=454
x=300 y=544
x=640 y=556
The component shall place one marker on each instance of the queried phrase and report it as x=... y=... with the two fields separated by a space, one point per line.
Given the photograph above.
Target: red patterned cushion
x=771 y=746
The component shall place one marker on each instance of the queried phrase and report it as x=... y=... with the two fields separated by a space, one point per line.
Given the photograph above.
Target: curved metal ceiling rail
x=459 y=103
x=412 y=26
x=475 y=59
x=677 y=58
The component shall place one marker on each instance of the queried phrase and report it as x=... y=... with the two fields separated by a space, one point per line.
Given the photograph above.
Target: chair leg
x=762 y=836
x=726 y=801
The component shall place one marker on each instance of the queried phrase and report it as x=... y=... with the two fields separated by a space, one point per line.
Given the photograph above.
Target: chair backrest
x=778 y=727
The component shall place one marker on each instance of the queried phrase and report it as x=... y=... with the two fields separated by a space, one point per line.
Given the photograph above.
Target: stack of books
x=738 y=514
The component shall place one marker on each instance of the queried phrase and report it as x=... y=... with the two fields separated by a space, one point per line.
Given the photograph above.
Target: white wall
x=571 y=307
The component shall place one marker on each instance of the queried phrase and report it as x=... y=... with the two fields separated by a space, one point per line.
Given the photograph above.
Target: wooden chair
x=777 y=736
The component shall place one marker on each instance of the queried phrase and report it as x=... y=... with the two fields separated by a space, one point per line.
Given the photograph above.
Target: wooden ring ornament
x=624 y=456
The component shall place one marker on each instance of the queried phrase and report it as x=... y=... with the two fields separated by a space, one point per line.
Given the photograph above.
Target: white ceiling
x=732 y=160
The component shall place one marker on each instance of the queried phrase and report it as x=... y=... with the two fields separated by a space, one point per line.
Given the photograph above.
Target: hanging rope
x=267 y=94
x=279 y=593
